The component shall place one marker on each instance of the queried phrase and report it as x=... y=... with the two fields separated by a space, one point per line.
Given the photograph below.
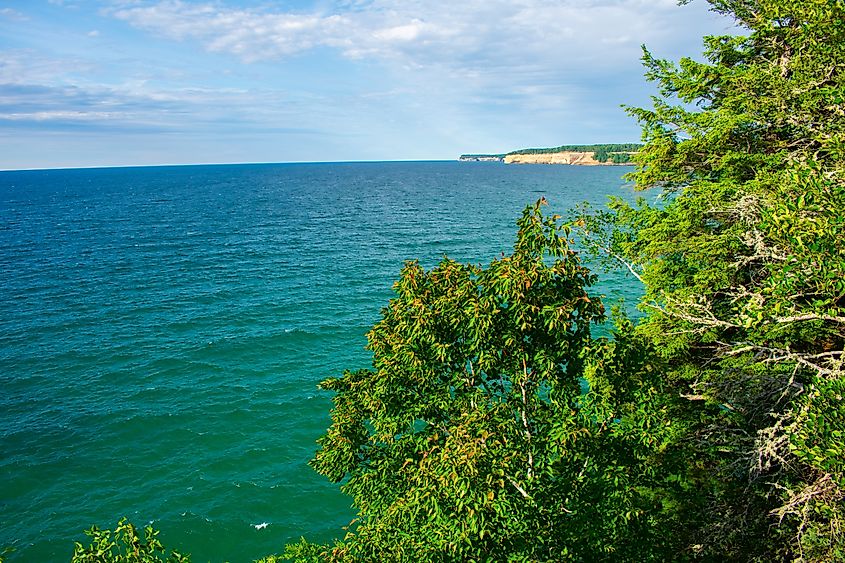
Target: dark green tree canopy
x=471 y=438
x=446 y=439
x=743 y=265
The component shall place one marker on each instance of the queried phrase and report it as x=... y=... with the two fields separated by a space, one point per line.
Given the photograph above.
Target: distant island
x=584 y=155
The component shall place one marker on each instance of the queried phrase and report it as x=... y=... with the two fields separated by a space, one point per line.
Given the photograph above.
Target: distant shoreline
x=581 y=155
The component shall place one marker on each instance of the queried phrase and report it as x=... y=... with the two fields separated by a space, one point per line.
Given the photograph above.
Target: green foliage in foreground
x=471 y=438
x=124 y=545
x=743 y=264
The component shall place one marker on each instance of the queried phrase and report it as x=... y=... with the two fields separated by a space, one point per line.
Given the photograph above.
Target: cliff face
x=481 y=158
x=581 y=158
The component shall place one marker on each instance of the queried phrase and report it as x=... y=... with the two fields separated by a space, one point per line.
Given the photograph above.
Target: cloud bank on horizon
x=87 y=83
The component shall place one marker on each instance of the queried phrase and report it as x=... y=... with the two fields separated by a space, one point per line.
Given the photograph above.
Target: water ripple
x=162 y=332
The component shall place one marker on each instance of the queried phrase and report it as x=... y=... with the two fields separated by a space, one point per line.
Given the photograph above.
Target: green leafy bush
x=124 y=545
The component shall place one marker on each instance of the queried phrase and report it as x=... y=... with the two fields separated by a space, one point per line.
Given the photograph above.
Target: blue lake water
x=163 y=330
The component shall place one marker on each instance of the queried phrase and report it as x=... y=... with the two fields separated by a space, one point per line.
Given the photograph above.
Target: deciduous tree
x=472 y=437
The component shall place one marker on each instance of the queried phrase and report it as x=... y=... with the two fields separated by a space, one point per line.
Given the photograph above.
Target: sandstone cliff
x=580 y=158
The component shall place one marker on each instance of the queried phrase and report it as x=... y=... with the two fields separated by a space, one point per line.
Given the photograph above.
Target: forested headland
x=601 y=153
x=494 y=426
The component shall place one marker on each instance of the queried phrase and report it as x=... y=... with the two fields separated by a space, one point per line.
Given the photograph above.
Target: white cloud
x=407 y=32
x=42 y=97
x=62 y=115
x=13 y=15
x=248 y=34
x=431 y=33
x=25 y=66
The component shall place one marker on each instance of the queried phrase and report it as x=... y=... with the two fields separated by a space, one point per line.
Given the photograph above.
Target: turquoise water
x=162 y=332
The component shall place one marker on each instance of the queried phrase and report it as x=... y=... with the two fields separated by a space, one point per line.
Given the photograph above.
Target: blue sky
x=123 y=82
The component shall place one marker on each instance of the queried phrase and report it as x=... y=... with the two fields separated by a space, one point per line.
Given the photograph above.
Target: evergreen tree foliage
x=620 y=157
x=743 y=264
x=600 y=148
x=601 y=155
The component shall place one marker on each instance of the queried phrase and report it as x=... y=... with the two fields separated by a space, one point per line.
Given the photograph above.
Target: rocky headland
x=581 y=155
x=569 y=157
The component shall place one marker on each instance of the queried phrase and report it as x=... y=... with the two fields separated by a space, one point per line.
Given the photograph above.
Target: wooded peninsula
x=584 y=155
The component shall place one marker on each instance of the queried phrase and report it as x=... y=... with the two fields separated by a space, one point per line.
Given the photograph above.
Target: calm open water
x=163 y=330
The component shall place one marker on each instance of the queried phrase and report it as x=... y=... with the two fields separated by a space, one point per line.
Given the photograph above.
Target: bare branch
x=708 y=320
x=526 y=427
x=516 y=485
x=624 y=262
x=810 y=317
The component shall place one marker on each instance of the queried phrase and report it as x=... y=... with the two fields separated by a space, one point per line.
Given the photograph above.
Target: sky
x=145 y=82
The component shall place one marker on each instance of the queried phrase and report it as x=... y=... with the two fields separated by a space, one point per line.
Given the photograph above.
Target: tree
x=743 y=264
x=471 y=438
x=445 y=442
x=601 y=155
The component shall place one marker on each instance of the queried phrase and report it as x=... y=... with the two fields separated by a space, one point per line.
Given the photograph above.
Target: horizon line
x=243 y=163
